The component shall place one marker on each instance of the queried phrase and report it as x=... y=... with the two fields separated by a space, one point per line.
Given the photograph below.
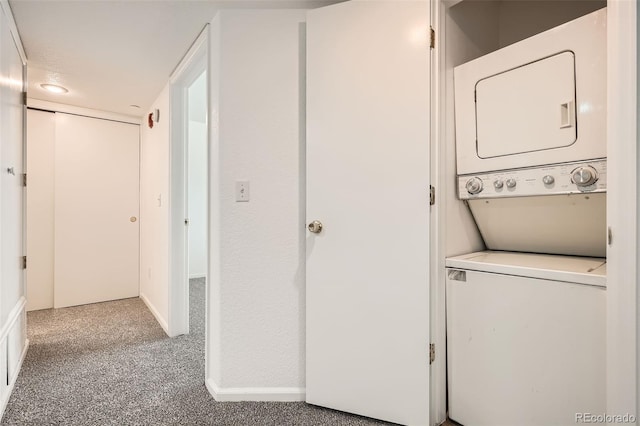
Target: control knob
x=548 y=180
x=498 y=184
x=584 y=176
x=474 y=185
x=511 y=183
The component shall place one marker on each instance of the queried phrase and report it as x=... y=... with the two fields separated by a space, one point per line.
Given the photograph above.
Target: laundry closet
x=523 y=108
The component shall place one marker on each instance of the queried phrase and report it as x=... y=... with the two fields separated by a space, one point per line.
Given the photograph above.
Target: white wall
x=41 y=129
x=522 y=19
x=197 y=179
x=154 y=211
x=471 y=31
x=256 y=299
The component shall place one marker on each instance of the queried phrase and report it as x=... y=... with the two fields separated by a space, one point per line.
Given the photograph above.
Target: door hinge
x=432 y=195
x=186 y=222
x=432 y=352
x=24 y=179
x=24 y=98
x=432 y=38
x=24 y=262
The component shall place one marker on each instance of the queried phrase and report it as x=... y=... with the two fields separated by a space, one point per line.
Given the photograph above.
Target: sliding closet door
x=96 y=210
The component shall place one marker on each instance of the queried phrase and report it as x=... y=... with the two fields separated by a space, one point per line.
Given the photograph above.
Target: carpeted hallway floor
x=111 y=364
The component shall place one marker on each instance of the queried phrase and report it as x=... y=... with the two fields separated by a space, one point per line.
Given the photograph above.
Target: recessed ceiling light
x=54 y=88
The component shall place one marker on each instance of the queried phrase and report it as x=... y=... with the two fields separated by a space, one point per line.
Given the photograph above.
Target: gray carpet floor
x=111 y=364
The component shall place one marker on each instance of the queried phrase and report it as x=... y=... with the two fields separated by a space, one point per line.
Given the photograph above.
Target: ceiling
x=111 y=54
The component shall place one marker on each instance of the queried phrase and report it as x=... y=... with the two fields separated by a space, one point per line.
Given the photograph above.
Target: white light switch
x=242 y=190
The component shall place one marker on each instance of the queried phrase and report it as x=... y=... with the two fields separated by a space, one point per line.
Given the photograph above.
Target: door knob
x=315 y=227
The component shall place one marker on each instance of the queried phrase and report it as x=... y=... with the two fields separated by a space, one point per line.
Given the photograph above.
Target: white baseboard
x=154 y=311
x=254 y=394
x=192 y=276
x=12 y=383
x=23 y=355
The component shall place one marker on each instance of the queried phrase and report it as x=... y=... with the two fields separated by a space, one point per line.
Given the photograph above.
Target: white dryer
x=525 y=331
x=530 y=141
x=536 y=102
x=525 y=338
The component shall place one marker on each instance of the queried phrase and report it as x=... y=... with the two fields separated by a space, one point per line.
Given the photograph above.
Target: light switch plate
x=242 y=190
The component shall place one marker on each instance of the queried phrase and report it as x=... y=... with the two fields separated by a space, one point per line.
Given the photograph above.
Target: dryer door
x=536 y=102
x=528 y=108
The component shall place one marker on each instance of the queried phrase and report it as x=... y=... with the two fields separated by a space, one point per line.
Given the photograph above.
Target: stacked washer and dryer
x=526 y=317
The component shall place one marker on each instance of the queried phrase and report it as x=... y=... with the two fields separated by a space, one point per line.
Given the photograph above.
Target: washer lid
x=573 y=269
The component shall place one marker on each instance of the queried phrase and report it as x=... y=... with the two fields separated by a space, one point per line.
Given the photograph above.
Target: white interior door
x=368 y=184
x=11 y=155
x=96 y=210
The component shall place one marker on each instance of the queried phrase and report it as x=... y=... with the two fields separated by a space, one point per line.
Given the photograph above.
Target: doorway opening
x=196 y=175
x=188 y=239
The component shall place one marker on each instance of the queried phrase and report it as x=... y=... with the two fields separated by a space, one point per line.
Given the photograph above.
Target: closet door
x=96 y=210
x=41 y=142
x=368 y=184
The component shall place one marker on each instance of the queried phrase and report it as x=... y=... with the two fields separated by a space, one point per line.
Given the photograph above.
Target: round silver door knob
x=315 y=227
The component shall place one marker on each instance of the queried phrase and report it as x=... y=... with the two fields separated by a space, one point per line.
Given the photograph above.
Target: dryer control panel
x=567 y=178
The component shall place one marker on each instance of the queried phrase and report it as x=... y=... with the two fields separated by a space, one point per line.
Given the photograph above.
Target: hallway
x=112 y=364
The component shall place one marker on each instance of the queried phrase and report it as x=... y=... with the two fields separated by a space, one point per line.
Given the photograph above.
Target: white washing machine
x=525 y=338
x=526 y=331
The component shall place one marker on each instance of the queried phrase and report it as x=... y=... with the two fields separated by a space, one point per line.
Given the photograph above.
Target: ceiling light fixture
x=54 y=88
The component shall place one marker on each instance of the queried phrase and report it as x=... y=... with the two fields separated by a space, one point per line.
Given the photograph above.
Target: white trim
x=623 y=273
x=13 y=379
x=191 y=276
x=6 y=8
x=438 y=373
x=155 y=313
x=191 y=56
x=13 y=317
x=221 y=394
x=12 y=383
x=87 y=112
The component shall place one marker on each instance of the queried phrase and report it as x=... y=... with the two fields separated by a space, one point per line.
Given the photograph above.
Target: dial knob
x=511 y=183
x=548 y=180
x=498 y=184
x=584 y=176
x=474 y=185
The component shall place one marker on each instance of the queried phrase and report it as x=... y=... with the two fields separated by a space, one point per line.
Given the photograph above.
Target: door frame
x=623 y=193
x=195 y=61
